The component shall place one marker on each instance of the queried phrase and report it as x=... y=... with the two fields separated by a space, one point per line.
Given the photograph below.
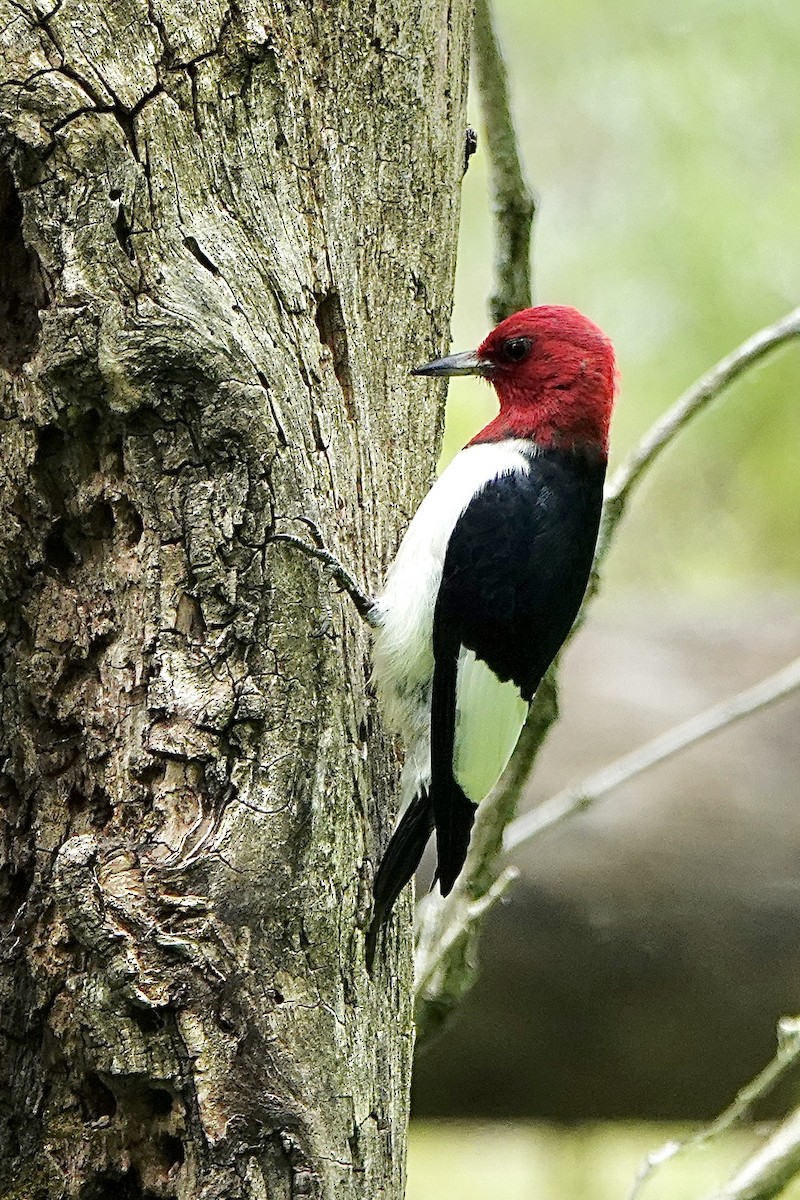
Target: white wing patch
x=489 y=717
x=403 y=649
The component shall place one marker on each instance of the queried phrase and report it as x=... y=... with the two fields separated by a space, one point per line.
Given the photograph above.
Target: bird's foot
x=365 y=604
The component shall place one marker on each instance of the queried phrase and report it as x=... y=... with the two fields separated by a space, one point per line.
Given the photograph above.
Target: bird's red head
x=554 y=374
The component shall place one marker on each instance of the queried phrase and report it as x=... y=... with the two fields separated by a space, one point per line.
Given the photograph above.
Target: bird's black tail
x=452 y=845
x=400 y=861
x=444 y=805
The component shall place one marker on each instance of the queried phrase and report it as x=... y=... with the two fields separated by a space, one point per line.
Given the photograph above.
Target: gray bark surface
x=227 y=231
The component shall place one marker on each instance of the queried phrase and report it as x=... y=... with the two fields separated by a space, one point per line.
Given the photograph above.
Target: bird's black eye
x=516 y=349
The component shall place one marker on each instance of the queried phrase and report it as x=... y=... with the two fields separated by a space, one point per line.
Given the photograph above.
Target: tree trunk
x=228 y=230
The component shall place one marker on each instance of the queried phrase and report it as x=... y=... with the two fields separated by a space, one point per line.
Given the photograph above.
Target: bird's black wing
x=453 y=812
x=515 y=571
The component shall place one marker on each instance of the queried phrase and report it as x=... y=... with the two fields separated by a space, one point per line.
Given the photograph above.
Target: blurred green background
x=457 y=1161
x=663 y=142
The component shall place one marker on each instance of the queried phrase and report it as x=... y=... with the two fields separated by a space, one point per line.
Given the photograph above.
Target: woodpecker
x=489 y=578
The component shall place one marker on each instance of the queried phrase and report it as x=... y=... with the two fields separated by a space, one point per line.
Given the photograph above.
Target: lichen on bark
x=228 y=230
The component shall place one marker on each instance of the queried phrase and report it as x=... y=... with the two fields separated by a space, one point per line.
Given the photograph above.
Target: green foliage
x=664 y=144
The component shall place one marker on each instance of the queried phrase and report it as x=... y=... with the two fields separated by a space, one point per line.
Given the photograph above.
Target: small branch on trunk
x=365 y=604
x=512 y=201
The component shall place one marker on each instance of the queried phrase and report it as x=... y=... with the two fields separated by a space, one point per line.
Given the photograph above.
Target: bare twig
x=512 y=201
x=445 y=958
x=786 y=1058
x=693 y=401
x=767 y=1172
x=364 y=604
x=500 y=806
x=575 y=799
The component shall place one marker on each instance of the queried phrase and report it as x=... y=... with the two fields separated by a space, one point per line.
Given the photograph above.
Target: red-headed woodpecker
x=490 y=574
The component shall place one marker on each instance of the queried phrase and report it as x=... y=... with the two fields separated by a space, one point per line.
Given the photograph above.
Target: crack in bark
x=333 y=334
x=22 y=288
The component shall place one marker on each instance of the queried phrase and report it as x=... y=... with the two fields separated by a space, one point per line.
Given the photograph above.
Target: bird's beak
x=466 y=363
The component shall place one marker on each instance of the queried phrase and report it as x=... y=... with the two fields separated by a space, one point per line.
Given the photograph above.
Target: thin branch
x=575 y=799
x=512 y=201
x=500 y=806
x=767 y=1172
x=786 y=1058
x=445 y=959
x=364 y=604
x=693 y=401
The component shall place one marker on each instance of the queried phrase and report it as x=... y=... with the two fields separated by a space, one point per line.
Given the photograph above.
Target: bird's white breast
x=403 y=652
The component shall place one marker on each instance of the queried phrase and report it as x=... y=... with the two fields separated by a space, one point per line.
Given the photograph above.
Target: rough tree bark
x=228 y=229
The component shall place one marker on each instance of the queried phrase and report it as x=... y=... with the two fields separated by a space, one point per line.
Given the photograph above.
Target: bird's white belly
x=403 y=650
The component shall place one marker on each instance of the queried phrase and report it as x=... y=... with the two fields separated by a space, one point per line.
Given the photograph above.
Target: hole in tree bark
x=159 y=1101
x=130 y=521
x=62 y=462
x=57 y=552
x=149 y=1020
x=98 y=1100
x=98 y=523
x=193 y=247
x=122 y=231
x=136 y=528
x=50 y=443
x=117 y=1185
x=102 y=808
x=22 y=290
x=14 y=886
x=76 y=801
x=333 y=334
x=48 y=469
x=172 y=1150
